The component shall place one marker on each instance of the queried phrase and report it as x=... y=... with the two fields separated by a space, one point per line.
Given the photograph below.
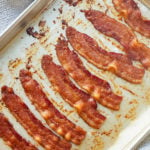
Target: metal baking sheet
x=146 y=3
x=123 y=129
x=22 y=20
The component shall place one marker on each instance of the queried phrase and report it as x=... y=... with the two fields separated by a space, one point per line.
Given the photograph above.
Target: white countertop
x=10 y=9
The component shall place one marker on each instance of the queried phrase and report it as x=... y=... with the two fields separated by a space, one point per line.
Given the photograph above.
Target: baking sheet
x=122 y=129
x=10 y=31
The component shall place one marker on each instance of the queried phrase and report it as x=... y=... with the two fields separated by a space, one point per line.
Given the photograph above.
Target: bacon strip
x=33 y=126
x=53 y=117
x=88 y=48
x=112 y=28
x=132 y=15
x=82 y=102
x=11 y=137
x=99 y=89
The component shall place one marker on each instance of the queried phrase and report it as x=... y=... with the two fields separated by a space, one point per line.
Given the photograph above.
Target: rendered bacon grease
x=53 y=117
x=96 y=87
x=33 y=126
x=132 y=15
x=11 y=137
x=82 y=102
x=112 y=28
x=89 y=49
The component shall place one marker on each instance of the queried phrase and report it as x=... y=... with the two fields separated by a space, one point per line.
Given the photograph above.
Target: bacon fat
x=11 y=137
x=112 y=28
x=82 y=102
x=33 y=126
x=89 y=49
x=132 y=15
x=53 y=117
x=99 y=89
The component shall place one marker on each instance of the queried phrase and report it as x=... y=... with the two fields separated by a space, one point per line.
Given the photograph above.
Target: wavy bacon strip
x=112 y=28
x=99 y=89
x=11 y=137
x=53 y=117
x=88 y=48
x=32 y=125
x=82 y=102
x=132 y=15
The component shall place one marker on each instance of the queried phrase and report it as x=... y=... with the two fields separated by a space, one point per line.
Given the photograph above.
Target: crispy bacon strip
x=88 y=48
x=11 y=137
x=33 y=126
x=53 y=117
x=132 y=15
x=99 y=89
x=82 y=102
x=112 y=28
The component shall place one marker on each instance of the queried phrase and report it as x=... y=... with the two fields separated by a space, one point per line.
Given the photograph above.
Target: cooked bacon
x=88 y=48
x=132 y=15
x=53 y=117
x=112 y=28
x=82 y=102
x=99 y=89
x=32 y=125
x=72 y=2
x=11 y=137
